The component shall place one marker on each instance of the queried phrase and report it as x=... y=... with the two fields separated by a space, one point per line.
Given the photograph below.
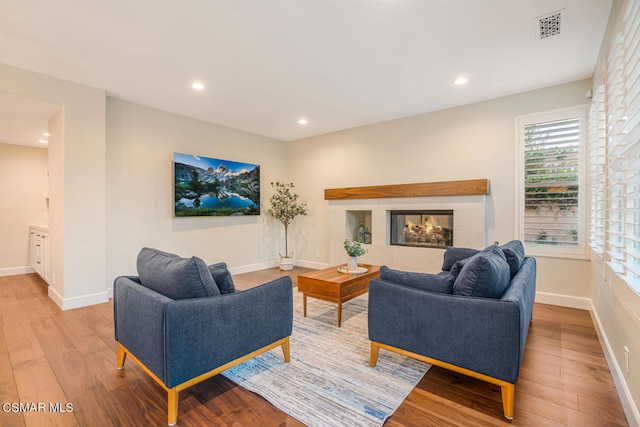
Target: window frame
x=597 y=175
x=580 y=112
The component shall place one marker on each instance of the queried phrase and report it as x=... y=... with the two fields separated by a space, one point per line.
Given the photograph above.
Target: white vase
x=353 y=263
x=286 y=263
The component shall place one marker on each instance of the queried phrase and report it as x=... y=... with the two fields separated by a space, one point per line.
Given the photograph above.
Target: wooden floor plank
x=8 y=389
x=542 y=362
x=438 y=406
x=26 y=286
x=37 y=383
x=21 y=342
x=77 y=370
x=77 y=333
x=135 y=404
x=550 y=410
x=603 y=408
x=54 y=356
x=566 y=398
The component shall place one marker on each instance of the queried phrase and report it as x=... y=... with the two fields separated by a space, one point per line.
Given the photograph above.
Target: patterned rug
x=328 y=381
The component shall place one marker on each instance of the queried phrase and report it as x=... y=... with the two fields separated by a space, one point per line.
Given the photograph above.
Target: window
x=550 y=182
x=622 y=145
x=597 y=163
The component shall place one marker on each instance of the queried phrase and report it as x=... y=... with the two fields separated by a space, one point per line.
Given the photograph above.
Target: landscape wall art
x=214 y=187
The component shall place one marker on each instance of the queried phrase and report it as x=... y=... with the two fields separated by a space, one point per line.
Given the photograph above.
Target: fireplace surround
x=371 y=206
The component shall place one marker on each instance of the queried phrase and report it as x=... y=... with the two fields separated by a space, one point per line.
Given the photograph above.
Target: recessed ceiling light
x=461 y=81
x=42 y=141
x=197 y=86
x=302 y=121
x=46 y=134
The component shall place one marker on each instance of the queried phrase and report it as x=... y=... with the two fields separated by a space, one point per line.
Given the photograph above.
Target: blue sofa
x=183 y=322
x=458 y=319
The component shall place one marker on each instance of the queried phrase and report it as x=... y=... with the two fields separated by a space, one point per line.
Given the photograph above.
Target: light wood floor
x=51 y=356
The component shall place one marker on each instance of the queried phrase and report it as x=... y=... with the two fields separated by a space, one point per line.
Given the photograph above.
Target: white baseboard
x=253 y=267
x=77 y=302
x=312 y=264
x=16 y=270
x=563 y=300
x=626 y=399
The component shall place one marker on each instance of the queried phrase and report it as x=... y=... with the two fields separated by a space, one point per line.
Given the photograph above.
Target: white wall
x=468 y=142
x=77 y=184
x=141 y=142
x=469 y=218
x=23 y=193
x=616 y=308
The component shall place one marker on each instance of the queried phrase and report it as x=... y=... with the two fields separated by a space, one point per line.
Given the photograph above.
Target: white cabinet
x=39 y=246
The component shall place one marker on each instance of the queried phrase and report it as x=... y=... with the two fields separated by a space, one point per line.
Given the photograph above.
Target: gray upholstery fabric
x=453 y=254
x=486 y=274
x=441 y=282
x=222 y=277
x=522 y=291
x=175 y=277
x=484 y=335
x=181 y=339
x=138 y=320
x=458 y=265
x=514 y=253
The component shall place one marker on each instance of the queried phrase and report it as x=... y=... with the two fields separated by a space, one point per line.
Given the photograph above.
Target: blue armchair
x=459 y=319
x=197 y=331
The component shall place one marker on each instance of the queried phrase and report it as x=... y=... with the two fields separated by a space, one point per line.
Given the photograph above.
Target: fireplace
x=422 y=228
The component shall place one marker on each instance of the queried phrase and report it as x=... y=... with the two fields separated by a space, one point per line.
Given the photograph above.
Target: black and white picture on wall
x=215 y=187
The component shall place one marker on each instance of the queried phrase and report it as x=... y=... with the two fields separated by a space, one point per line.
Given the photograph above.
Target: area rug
x=328 y=381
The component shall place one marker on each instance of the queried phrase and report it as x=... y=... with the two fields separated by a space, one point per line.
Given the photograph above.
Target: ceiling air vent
x=549 y=25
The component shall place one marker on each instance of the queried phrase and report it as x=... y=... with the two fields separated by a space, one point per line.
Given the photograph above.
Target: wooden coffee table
x=330 y=285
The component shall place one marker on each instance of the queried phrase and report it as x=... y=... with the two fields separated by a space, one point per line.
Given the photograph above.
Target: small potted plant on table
x=354 y=250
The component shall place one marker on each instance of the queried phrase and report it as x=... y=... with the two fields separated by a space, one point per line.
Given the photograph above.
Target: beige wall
x=473 y=141
x=23 y=193
x=616 y=306
x=141 y=142
x=617 y=311
x=77 y=185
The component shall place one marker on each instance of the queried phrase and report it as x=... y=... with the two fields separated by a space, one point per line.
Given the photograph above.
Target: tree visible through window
x=552 y=160
x=551 y=207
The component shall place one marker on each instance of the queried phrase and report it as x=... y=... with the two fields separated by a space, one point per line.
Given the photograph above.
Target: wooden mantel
x=424 y=189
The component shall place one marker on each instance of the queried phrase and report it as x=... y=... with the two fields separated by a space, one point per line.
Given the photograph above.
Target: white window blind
x=551 y=190
x=623 y=149
x=597 y=172
x=552 y=182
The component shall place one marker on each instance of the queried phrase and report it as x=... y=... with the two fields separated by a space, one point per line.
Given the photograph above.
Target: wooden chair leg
x=172 y=409
x=286 y=350
x=508 y=395
x=122 y=355
x=375 y=351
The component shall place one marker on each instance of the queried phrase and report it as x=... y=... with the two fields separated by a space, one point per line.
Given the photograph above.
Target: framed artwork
x=213 y=187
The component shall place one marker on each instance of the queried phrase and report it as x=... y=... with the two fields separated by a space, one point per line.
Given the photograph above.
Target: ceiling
x=267 y=63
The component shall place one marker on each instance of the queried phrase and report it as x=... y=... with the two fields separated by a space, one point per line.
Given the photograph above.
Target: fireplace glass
x=424 y=228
